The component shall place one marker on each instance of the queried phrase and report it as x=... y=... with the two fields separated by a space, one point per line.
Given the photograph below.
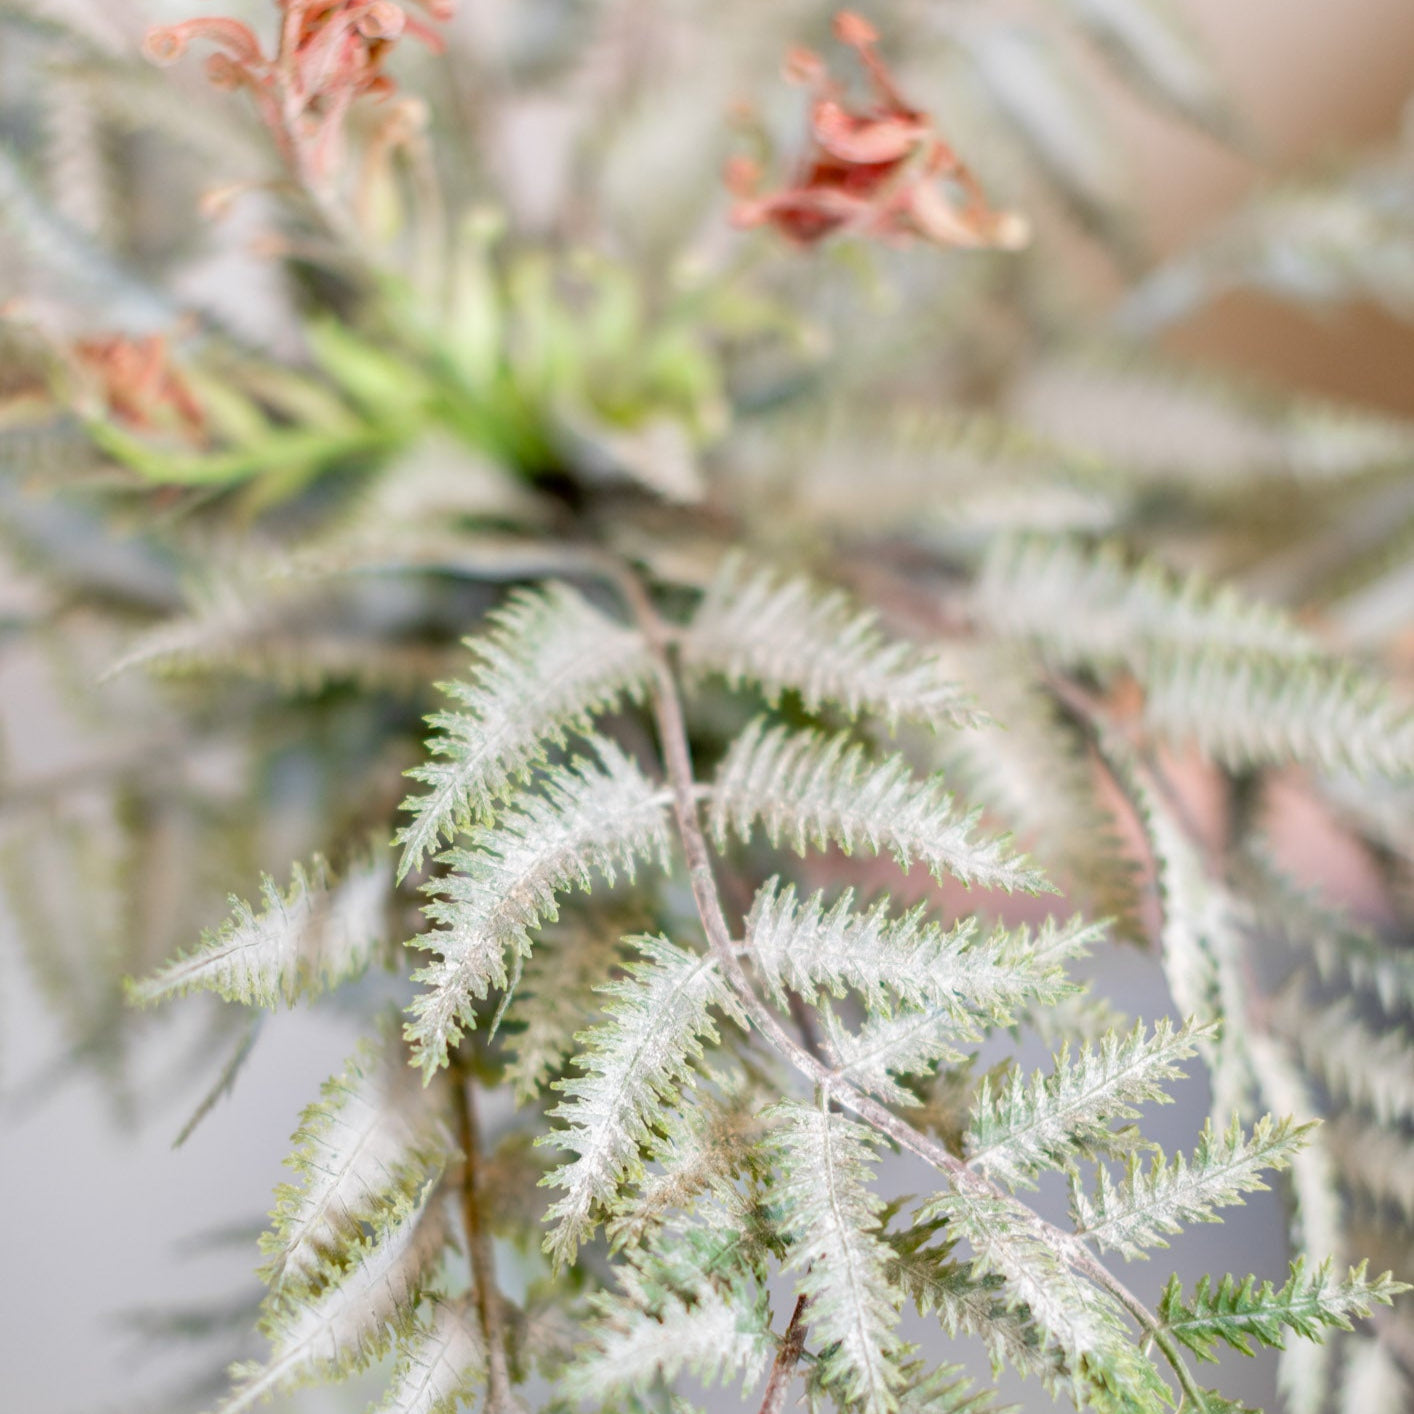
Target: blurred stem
x=478 y=1241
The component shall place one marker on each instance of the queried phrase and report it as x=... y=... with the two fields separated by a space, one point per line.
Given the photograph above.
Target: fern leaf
x=556 y=999
x=831 y=1221
x=1264 y=710
x=808 y=948
x=371 y=1141
x=1051 y=1119
x=1147 y=1204
x=788 y=635
x=634 y=1066
x=547 y=666
x=813 y=789
x=662 y=1324
x=973 y=1305
x=335 y=1330
x=1096 y=609
x=1079 y=1321
x=589 y=817
x=907 y=1043
x=441 y=1366
x=318 y=934
x=1376 y=1160
x=1238 y=1313
x=1370 y=1068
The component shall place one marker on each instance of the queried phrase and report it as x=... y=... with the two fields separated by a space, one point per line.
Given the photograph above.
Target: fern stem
x=483 y=1268
x=677 y=760
x=787 y=1358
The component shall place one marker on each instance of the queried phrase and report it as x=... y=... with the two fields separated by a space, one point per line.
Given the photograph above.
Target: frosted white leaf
x=548 y=664
x=1148 y=1204
x=814 y=789
x=809 y=947
x=368 y=1144
x=634 y=1066
x=441 y=1366
x=589 y=818
x=323 y=931
x=340 y=1328
x=788 y=634
x=1030 y=1125
x=830 y=1218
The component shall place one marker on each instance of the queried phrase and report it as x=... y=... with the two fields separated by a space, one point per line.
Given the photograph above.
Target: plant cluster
x=846 y=639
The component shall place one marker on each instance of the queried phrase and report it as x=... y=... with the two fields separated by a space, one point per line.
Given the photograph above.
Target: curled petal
x=439 y=10
x=224 y=72
x=865 y=141
x=382 y=20
x=804 y=215
x=742 y=176
x=165 y=44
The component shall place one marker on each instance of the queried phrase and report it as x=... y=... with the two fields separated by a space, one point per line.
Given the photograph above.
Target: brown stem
x=787 y=1357
x=478 y=1241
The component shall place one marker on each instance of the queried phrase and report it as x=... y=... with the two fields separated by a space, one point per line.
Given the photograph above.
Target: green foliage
x=1239 y=1313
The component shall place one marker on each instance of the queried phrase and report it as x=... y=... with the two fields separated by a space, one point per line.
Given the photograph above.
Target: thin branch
x=483 y=1268
x=677 y=759
x=787 y=1358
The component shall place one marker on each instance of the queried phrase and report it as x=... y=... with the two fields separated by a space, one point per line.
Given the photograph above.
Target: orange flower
x=883 y=171
x=330 y=53
x=139 y=385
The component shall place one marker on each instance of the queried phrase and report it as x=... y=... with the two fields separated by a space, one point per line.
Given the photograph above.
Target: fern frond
x=548 y=664
x=1075 y=1318
x=634 y=1066
x=812 y=789
x=789 y=635
x=1371 y=1068
x=973 y=1305
x=588 y=818
x=713 y=1323
x=1265 y=710
x=1032 y=769
x=1086 y=608
x=1376 y=1160
x=371 y=1141
x=441 y=1365
x=1051 y=1119
x=320 y=933
x=831 y=1221
x=808 y=948
x=1238 y=1313
x=556 y=999
x=340 y=1328
x=1148 y=1203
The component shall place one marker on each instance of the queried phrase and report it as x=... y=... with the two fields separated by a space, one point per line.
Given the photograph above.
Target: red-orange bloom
x=139 y=385
x=883 y=171
x=329 y=53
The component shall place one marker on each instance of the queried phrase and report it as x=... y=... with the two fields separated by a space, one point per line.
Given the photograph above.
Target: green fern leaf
x=320 y=933
x=830 y=1219
x=788 y=635
x=1052 y=1119
x=813 y=789
x=589 y=817
x=634 y=1066
x=1239 y=1313
x=372 y=1141
x=1149 y=1203
x=547 y=666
